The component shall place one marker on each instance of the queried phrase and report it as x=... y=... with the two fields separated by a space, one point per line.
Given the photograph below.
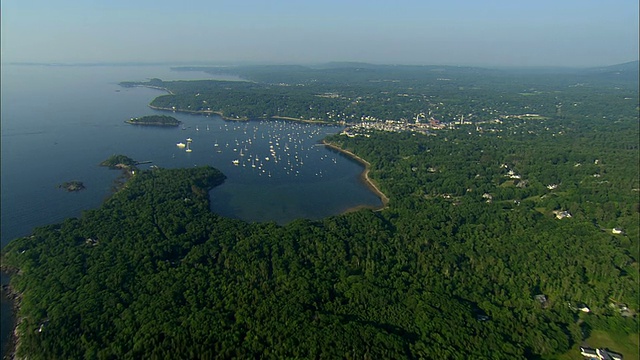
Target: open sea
x=59 y=122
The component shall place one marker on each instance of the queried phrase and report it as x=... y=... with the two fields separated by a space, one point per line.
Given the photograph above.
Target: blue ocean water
x=59 y=122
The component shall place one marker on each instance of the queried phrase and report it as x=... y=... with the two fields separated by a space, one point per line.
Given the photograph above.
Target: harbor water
x=60 y=122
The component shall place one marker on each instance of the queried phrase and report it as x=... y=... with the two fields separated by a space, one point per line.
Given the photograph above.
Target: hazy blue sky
x=457 y=32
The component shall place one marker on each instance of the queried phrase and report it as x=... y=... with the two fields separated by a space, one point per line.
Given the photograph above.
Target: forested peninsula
x=515 y=238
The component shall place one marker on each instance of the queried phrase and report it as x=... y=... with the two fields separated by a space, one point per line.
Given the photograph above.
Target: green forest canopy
x=115 y=161
x=454 y=267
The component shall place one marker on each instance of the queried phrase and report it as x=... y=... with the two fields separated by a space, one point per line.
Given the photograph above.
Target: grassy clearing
x=626 y=345
x=507 y=183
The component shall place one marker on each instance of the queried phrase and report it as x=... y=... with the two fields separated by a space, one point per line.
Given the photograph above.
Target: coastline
x=364 y=176
x=13 y=342
x=151 y=87
x=199 y=112
x=302 y=120
x=243 y=118
x=220 y=113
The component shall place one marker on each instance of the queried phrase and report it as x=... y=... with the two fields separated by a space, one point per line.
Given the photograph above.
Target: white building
x=601 y=354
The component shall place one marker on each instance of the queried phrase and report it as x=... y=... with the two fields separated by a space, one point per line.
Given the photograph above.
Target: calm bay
x=60 y=122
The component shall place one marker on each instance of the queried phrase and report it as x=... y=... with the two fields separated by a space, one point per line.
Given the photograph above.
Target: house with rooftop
x=562 y=214
x=600 y=354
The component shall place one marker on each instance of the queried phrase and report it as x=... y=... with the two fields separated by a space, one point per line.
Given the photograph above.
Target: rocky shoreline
x=10 y=350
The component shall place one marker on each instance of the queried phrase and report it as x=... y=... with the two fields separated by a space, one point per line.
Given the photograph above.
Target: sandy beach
x=365 y=174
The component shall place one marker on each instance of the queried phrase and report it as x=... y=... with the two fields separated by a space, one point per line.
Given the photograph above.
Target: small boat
x=189 y=140
x=180 y=145
x=235 y=162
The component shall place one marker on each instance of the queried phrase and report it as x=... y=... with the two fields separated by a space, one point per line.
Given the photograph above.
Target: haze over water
x=59 y=123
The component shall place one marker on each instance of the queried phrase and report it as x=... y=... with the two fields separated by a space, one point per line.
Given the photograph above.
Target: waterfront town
x=423 y=125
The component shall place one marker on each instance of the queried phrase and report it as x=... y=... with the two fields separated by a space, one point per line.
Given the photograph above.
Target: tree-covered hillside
x=469 y=260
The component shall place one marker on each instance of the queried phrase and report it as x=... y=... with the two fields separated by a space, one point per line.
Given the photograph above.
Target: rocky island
x=154 y=120
x=72 y=186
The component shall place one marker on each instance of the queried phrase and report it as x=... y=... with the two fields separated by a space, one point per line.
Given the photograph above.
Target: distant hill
x=631 y=67
x=625 y=73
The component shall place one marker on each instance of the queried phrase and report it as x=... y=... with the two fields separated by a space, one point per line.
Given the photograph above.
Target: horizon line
x=276 y=63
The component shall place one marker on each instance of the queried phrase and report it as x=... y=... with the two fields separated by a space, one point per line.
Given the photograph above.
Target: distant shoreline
x=199 y=112
x=152 y=87
x=221 y=114
x=364 y=176
x=302 y=120
x=243 y=118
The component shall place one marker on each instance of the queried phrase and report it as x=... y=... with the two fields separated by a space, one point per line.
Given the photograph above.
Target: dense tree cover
x=451 y=268
x=356 y=92
x=157 y=120
x=153 y=273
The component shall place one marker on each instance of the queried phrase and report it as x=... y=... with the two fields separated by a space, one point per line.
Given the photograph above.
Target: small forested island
x=511 y=231
x=72 y=186
x=154 y=120
x=119 y=162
